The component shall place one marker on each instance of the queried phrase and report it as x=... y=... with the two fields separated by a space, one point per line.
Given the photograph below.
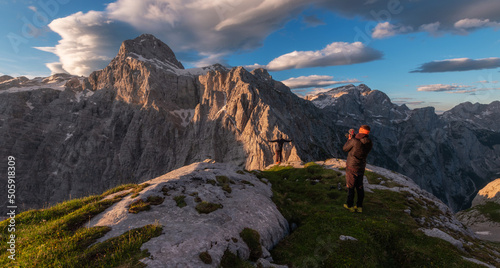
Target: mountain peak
x=149 y=47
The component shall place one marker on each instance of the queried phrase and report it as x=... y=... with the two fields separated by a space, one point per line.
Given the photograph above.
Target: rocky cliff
x=452 y=155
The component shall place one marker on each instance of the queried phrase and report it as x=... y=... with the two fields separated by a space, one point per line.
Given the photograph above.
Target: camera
x=351 y=132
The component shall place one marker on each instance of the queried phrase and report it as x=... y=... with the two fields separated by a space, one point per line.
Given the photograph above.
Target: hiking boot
x=351 y=209
x=359 y=210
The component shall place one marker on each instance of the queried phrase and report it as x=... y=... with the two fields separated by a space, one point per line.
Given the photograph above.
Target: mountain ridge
x=142 y=116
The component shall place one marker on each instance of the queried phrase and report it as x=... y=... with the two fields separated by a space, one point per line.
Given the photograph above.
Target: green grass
x=491 y=210
x=224 y=182
x=374 y=178
x=387 y=237
x=180 y=200
x=59 y=236
x=230 y=260
x=138 y=206
x=252 y=239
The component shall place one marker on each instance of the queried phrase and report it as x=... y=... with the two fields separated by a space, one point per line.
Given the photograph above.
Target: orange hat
x=364 y=131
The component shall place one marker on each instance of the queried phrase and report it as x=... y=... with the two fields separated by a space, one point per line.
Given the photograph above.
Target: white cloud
x=466 y=24
x=89 y=41
x=314 y=81
x=458 y=65
x=441 y=88
x=55 y=67
x=222 y=27
x=337 y=53
x=386 y=29
x=431 y=28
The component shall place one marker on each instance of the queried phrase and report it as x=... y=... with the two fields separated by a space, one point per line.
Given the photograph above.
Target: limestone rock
x=186 y=232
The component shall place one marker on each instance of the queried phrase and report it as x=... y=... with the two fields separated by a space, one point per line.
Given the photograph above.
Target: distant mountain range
x=144 y=115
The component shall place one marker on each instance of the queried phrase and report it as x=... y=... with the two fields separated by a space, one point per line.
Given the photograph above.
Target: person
x=279 y=148
x=358 y=146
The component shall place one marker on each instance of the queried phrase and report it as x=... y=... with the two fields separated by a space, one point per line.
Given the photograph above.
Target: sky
x=419 y=52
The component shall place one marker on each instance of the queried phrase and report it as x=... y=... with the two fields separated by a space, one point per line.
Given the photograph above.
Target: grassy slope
x=387 y=236
x=57 y=236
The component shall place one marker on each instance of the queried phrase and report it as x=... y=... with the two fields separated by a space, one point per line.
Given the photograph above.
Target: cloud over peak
x=223 y=27
x=336 y=53
x=314 y=81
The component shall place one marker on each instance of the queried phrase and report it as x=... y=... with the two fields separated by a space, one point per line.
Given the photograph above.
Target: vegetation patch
x=210 y=181
x=374 y=178
x=491 y=210
x=224 y=181
x=230 y=260
x=206 y=207
x=205 y=257
x=59 y=237
x=155 y=200
x=252 y=239
x=138 y=206
x=119 y=189
x=240 y=172
x=247 y=183
x=180 y=201
x=387 y=237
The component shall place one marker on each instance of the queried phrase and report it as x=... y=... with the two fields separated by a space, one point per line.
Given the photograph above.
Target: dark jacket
x=358 y=149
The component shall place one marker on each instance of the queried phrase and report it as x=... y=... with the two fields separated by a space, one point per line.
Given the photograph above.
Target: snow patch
x=51 y=85
x=346 y=238
x=68 y=136
x=30 y=105
x=168 y=66
x=186 y=115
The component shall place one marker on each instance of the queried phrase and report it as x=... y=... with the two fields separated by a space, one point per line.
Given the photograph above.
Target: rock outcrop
x=477 y=218
x=188 y=231
x=490 y=193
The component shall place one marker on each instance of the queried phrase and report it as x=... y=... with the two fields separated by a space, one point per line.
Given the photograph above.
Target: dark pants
x=354 y=181
x=278 y=156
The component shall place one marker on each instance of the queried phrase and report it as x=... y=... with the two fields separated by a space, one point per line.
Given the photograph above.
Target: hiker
x=358 y=146
x=279 y=148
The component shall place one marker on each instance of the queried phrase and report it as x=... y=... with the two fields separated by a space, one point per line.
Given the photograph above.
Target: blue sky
x=419 y=52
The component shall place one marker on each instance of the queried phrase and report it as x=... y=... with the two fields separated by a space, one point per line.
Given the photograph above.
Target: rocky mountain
x=145 y=114
x=452 y=155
